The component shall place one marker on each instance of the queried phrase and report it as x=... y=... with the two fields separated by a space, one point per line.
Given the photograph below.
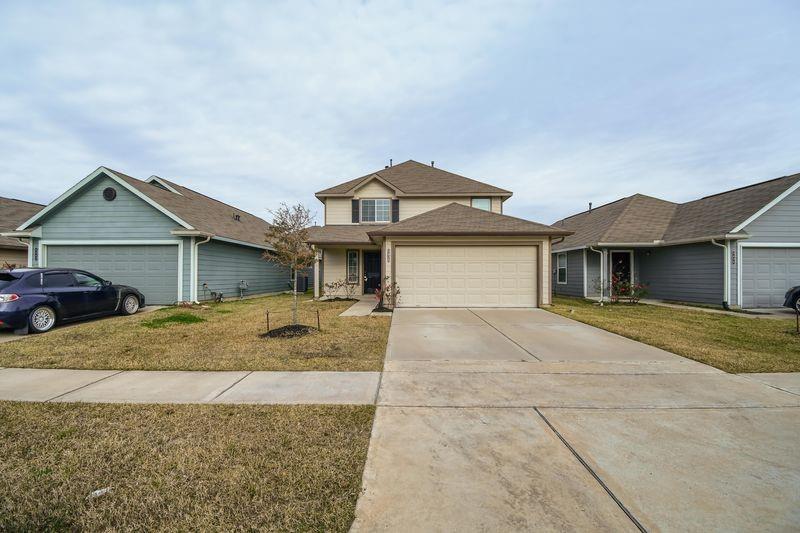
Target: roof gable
x=191 y=210
x=415 y=179
x=641 y=219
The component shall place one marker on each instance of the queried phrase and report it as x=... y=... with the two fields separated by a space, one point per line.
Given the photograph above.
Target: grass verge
x=222 y=336
x=189 y=467
x=730 y=343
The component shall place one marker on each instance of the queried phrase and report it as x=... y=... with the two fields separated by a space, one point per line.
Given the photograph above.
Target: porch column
x=317 y=255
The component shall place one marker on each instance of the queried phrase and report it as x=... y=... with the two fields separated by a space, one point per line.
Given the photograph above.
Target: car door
x=61 y=286
x=99 y=297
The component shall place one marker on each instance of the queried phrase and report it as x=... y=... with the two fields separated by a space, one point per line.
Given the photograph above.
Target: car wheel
x=797 y=304
x=130 y=304
x=42 y=319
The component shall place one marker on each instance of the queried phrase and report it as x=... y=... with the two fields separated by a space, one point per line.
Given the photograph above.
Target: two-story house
x=442 y=238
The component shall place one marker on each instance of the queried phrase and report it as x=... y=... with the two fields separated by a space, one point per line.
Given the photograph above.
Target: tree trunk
x=294 y=305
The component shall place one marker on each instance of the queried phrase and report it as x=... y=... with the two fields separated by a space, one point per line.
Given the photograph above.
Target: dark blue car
x=36 y=299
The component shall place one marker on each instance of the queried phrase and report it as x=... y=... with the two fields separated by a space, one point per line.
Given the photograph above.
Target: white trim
x=193 y=275
x=770 y=244
x=101 y=242
x=43 y=244
x=585 y=276
x=569 y=249
x=163 y=183
x=243 y=243
x=558 y=267
x=78 y=186
x=767 y=207
x=30 y=253
x=369 y=179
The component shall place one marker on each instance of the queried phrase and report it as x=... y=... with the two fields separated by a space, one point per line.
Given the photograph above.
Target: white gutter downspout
x=601 y=272
x=27 y=244
x=726 y=271
x=195 y=271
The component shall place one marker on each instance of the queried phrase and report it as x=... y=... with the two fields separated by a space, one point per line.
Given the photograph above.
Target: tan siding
x=13 y=257
x=497 y=204
x=374 y=189
x=410 y=207
x=338 y=211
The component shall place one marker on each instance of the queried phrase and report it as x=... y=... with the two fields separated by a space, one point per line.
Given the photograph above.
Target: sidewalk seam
x=592 y=472
x=229 y=387
x=503 y=334
x=84 y=386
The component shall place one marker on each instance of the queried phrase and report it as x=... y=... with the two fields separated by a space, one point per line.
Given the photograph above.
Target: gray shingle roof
x=12 y=214
x=412 y=178
x=643 y=219
x=458 y=219
x=204 y=213
x=340 y=234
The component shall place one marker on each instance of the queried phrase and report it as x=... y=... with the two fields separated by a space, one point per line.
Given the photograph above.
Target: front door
x=622 y=270
x=372 y=272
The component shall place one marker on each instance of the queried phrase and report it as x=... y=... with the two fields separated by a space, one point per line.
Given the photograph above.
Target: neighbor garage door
x=767 y=273
x=466 y=276
x=151 y=269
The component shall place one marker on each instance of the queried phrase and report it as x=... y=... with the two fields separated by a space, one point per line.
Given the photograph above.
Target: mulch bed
x=292 y=330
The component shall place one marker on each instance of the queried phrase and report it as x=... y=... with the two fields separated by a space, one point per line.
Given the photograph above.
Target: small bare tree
x=289 y=235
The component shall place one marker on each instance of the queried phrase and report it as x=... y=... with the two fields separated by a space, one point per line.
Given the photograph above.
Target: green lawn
x=730 y=343
x=187 y=467
x=217 y=337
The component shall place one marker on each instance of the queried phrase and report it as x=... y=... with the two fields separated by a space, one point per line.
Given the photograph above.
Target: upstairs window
x=482 y=203
x=377 y=210
x=561 y=276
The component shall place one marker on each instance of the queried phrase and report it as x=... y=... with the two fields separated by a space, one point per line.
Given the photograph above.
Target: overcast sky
x=562 y=102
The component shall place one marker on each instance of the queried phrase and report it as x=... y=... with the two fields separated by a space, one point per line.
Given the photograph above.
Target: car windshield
x=6 y=279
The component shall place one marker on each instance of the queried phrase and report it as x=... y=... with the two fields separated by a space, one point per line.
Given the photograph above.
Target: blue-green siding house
x=168 y=241
x=738 y=248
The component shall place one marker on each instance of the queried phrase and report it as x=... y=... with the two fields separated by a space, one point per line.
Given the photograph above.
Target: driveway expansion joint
x=592 y=472
x=503 y=334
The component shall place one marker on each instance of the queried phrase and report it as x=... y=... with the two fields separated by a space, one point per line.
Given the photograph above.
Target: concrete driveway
x=525 y=420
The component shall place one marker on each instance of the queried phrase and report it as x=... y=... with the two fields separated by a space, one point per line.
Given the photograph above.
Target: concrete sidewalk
x=114 y=386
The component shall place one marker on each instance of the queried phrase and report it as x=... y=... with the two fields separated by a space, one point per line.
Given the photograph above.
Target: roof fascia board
x=88 y=179
x=657 y=244
x=767 y=207
x=505 y=195
x=571 y=249
x=243 y=243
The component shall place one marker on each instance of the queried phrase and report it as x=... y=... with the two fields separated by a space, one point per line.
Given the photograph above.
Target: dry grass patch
x=188 y=468
x=220 y=337
x=730 y=343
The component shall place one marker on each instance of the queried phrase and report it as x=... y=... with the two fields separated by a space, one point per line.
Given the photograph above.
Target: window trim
x=347 y=266
x=375 y=210
x=487 y=198
x=559 y=268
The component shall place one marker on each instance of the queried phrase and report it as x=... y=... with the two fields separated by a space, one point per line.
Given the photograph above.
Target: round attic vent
x=109 y=193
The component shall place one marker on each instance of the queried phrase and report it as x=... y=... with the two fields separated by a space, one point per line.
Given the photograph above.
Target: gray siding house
x=170 y=242
x=739 y=248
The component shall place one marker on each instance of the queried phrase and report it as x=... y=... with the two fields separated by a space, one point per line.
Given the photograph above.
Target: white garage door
x=466 y=276
x=767 y=273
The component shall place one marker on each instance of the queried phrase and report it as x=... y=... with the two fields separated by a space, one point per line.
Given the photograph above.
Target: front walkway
x=508 y=420
x=363 y=307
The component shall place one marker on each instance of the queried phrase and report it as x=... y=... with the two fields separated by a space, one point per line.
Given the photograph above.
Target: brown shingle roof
x=457 y=219
x=204 y=213
x=413 y=178
x=340 y=234
x=643 y=219
x=12 y=214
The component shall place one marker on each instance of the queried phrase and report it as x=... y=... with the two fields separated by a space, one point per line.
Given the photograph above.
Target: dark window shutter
x=356 y=217
x=395 y=210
